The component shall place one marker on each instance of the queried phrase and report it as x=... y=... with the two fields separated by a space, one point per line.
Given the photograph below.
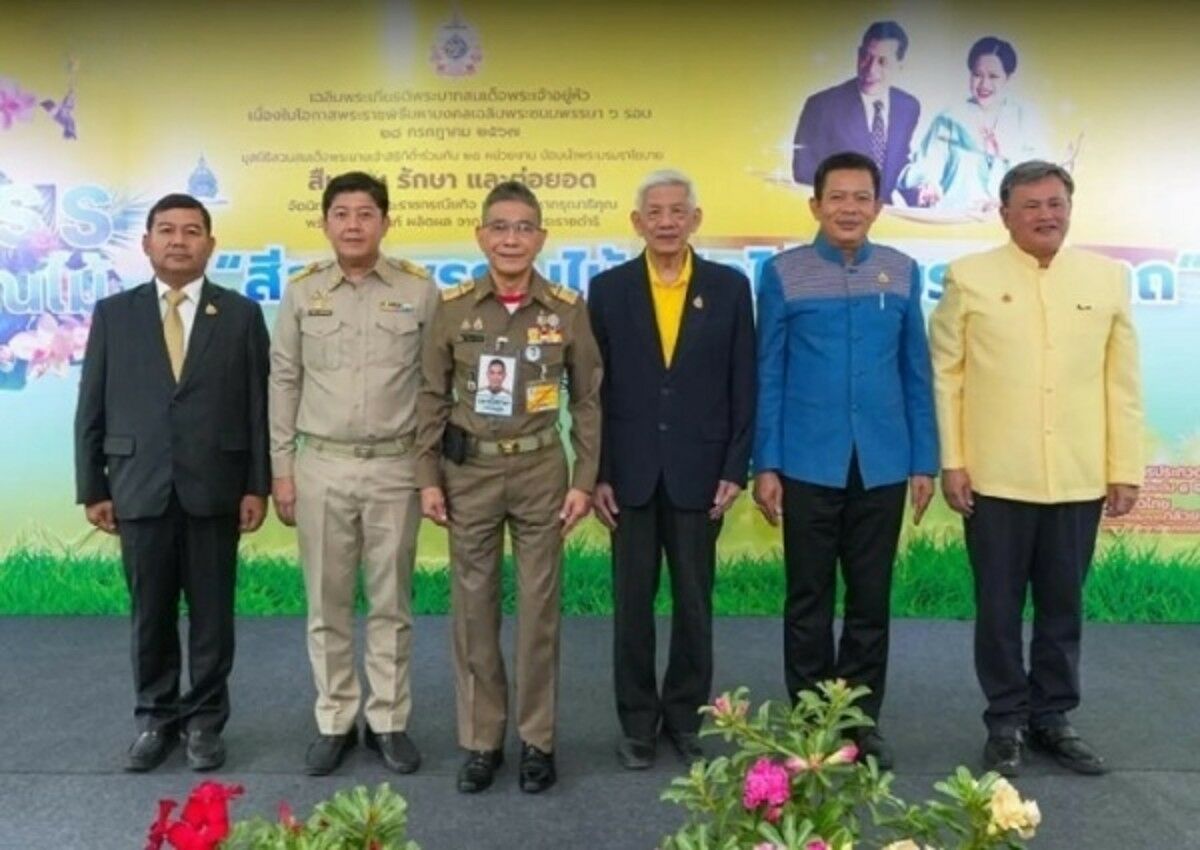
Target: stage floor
x=65 y=707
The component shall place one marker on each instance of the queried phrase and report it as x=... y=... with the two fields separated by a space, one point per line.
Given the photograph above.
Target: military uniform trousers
x=525 y=492
x=351 y=511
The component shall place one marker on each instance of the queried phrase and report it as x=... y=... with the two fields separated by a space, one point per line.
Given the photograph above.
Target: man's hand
x=604 y=501
x=768 y=495
x=283 y=494
x=727 y=493
x=433 y=505
x=101 y=515
x=575 y=507
x=956 y=487
x=251 y=513
x=1120 y=499
x=920 y=488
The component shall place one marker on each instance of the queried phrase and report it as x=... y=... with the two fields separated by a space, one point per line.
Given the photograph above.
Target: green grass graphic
x=1130 y=582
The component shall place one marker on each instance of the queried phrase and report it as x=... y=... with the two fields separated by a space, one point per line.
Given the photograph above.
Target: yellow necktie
x=173 y=330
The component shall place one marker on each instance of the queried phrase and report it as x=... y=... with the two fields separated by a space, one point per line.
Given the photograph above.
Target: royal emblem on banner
x=456 y=48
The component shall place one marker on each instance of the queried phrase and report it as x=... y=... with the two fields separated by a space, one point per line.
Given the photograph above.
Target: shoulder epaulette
x=563 y=293
x=408 y=267
x=310 y=269
x=452 y=292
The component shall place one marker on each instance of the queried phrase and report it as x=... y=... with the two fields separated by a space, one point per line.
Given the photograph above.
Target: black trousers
x=858 y=528
x=198 y=556
x=1015 y=547
x=689 y=540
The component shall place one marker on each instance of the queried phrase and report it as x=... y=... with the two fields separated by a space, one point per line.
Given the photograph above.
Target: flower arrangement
x=795 y=783
x=356 y=819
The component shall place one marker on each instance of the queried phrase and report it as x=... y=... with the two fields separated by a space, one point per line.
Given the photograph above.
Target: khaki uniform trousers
x=351 y=511
x=524 y=491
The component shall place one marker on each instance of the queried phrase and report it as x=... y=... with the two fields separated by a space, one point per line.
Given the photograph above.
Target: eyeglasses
x=523 y=229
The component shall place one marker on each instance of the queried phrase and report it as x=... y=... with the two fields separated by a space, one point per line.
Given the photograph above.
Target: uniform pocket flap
x=118 y=446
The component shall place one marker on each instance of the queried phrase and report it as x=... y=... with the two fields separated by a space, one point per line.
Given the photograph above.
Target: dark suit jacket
x=691 y=424
x=138 y=435
x=833 y=121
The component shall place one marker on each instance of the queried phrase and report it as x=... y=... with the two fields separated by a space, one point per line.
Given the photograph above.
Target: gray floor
x=65 y=703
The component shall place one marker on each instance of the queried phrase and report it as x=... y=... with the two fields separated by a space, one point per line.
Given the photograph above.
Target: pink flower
x=767 y=783
x=818 y=844
x=15 y=104
x=796 y=765
x=846 y=754
x=726 y=709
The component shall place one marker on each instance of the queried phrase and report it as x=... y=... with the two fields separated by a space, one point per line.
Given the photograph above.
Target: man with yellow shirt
x=677 y=337
x=1039 y=408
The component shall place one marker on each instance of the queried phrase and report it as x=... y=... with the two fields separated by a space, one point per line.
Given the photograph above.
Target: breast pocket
x=399 y=339
x=320 y=342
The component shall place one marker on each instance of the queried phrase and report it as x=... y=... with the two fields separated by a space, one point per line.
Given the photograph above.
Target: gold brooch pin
x=210 y=310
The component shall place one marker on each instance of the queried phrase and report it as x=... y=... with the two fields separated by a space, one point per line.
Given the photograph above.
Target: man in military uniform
x=479 y=470
x=344 y=377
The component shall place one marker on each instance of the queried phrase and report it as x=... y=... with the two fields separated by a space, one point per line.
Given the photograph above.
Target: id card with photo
x=494 y=379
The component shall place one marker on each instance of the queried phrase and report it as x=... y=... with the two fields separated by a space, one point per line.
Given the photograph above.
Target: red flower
x=203 y=823
x=288 y=818
x=158 y=829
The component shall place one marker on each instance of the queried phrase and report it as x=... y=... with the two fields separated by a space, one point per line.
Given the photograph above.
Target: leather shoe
x=478 y=771
x=871 y=743
x=1002 y=753
x=635 y=753
x=1067 y=748
x=150 y=749
x=396 y=749
x=537 y=769
x=687 y=745
x=205 y=749
x=326 y=752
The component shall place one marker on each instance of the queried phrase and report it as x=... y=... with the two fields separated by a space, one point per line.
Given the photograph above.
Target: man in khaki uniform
x=344 y=377
x=482 y=463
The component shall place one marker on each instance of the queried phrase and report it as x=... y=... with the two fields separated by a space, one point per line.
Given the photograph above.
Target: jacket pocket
x=118 y=446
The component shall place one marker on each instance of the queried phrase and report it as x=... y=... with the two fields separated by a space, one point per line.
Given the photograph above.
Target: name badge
x=541 y=396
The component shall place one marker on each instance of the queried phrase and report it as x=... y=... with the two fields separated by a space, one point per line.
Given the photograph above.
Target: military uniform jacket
x=549 y=341
x=345 y=357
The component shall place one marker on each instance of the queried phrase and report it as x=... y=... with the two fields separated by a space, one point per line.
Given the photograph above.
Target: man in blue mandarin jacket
x=677 y=336
x=845 y=421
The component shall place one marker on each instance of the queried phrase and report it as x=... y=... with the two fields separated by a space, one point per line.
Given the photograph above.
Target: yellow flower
x=1010 y=813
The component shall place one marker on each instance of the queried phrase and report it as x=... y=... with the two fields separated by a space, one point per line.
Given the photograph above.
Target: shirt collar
x=539 y=289
x=380 y=270
x=1028 y=260
x=827 y=251
x=685 y=273
x=191 y=290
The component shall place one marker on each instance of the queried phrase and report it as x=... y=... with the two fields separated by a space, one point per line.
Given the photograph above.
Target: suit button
x=662 y=426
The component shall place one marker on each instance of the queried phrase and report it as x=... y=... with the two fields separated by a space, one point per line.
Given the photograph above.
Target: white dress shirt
x=187 y=307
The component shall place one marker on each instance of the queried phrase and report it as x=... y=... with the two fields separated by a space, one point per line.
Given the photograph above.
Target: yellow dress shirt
x=669 y=300
x=1036 y=375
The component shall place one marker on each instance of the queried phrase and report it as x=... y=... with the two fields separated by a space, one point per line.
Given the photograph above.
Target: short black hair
x=880 y=30
x=355 y=181
x=1033 y=171
x=989 y=45
x=178 y=201
x=496 y=361
x=845 y=161
x=511 y=190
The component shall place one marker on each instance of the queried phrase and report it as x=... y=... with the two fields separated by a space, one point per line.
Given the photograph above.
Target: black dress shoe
x=635 y=753
x=871 y=743
x=687 y=744
x=205 y=749
x=478 y=771
x=537 y=769
x=1003 y=753
x=326 y=752
x=396 y=749
x=1068 y=749
x=150 y=749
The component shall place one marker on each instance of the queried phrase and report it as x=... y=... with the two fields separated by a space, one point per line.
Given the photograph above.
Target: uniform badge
x=318 y=305
x=472 y=386
x=534 y=336
x=541 y=396
x=698 y=302
x=478 y=324
x=465 y=326
x=553 y=320
x=883 y=279
x=1006 y=298
x=395 y=307
x=533 y=353
x=210 y=310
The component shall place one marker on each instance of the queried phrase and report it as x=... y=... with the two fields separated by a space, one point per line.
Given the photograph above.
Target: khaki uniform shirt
x=1036 y=375
x=345 y=357
x=548 y=339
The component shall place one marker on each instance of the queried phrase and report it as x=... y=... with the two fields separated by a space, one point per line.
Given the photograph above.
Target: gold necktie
x=173 y=330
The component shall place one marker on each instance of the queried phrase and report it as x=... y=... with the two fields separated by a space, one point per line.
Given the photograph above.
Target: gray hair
x=1031 y=172
x=666 y=177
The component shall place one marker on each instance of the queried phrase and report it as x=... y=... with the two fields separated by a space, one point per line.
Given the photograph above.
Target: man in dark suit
x=867 y=114
x=677 y=336
x=171 y=454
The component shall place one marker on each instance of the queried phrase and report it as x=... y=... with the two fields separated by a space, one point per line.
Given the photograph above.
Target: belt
x=394 y=447
x=513 y=445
